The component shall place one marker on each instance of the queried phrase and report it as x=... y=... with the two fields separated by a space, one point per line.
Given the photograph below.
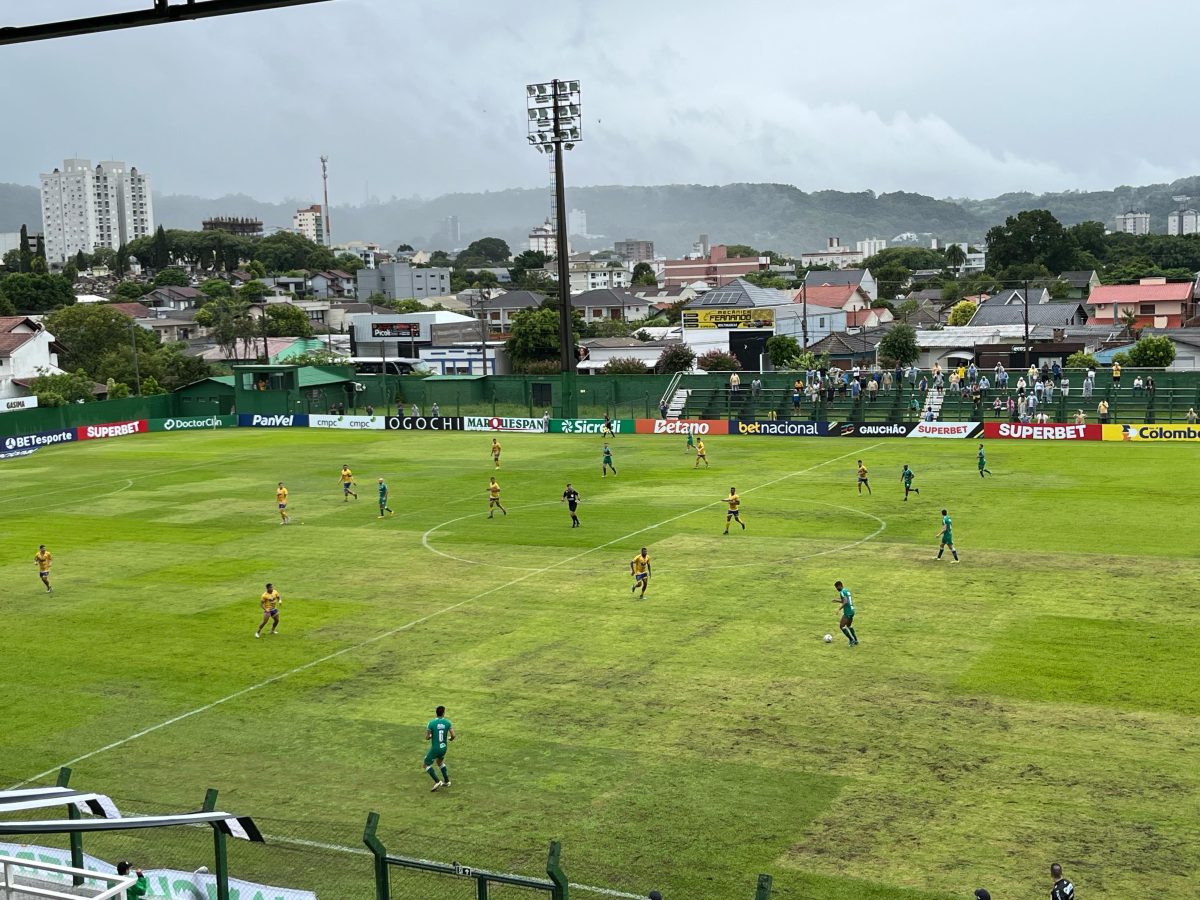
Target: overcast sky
x=423 y=98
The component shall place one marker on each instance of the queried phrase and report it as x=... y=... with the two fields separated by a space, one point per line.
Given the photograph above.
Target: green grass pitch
x=1037 y=702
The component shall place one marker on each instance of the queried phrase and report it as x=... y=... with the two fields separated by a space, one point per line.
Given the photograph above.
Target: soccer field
x=1037 y=702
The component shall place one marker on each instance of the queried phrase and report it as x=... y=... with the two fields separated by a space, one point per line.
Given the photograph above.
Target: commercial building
x=577 y=222
x=84 y=208
x=716 y=268
x=632 y=251
x=310 y=222
x=1133 y=222
x=398 y=281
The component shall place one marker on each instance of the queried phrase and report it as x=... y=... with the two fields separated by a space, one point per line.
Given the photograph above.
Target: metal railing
x=10 y=888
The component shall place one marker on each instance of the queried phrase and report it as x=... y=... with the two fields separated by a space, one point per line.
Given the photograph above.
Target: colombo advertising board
x=1030 y=432
x=1146 y=432
x=591 y=426
x=682 y=426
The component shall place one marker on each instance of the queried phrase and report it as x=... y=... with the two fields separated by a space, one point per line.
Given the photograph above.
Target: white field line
x=358 y=851
x=266 y=682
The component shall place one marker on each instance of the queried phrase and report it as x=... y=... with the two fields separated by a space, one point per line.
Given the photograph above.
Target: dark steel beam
x=161 y=13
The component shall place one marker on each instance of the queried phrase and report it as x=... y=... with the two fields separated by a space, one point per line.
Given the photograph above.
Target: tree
x=150 y=386
x=534 y=335
x=526 y=261
x=899 y=346
x=893 y=277
x=216 y=287
x=12 y=260
x=70 y=271
x=116 y=390
x=120 y=263
x=488 y=251
x=1152 y=353
x=255 y=269
x=103 y=257
x=956 y=257
x=69 y=387
x=33 y=293
x=228 y=322
x=643 y=274
x=284 y=250
x=1081 y=360
x=90 y=331
x=806 y=360
x=160 y=250
x=405 y=248
x=1089 y=237
x=131 y=290
x=718 y=361
x=676 y=358
x=626 y=366
x=40 y=251
x=962 y=313
x=172 y=277
x=740 y=250
x=348 y=262
x=6 y=307
x=253 y=291
x=440 y=258
x=286 y=320
x=781 y=348
x=26 y=255
x=82 y=261
x=1031 y=236
x=405 y=305
x=767 y=280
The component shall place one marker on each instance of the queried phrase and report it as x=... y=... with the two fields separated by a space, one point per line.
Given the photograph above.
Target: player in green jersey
x=947 y=536
x=439 y=732
x=383 y=499
x=607 y=463
x=846 y=602
x=983 y=462
x=691 y=443
x=907 y=477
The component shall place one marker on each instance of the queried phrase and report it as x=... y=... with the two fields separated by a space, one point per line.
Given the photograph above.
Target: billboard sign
x=424 y=423
x=1031 y=432
x=281 y=420
x=12 y=404
x=682 y=426
x=41 y=439
x=111 y=429
x=945 y=430
x=780 y=428
x=591 y=426
x=396 y=329
x=503 y=423
x=349 y=423
x=1137 y=433
x=750 y=317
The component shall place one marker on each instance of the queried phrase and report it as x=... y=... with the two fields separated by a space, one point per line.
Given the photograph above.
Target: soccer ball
x=829 y=638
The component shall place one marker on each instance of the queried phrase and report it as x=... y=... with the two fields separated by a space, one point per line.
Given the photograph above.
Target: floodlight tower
x=325 y=184
x=554 y=126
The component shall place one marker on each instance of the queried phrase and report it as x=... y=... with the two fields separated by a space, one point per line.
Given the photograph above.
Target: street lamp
x=554 y=120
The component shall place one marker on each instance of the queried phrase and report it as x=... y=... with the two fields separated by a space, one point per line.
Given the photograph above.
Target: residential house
x=606 y=303
x=847 y=350
x=332 y=284
x=858 y=277
x=850 y=298
x=736 y=318
x=26 y=350
x=599 y=351
x=592 y=275
x=1080 y=283
x=1008 y=308
x=663 y=296
x=715 y=269
x=173 y=324
x=1153 y=303
x=499 y=310
x=173 y=298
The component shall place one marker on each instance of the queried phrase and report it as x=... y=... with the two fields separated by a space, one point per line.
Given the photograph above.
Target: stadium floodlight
x=555 y=122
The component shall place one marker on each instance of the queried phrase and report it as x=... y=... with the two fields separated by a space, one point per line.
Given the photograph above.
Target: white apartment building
x=543 y=239
x=834 y=254
x=1183 y=221
x=577 y=222
x=591 y=276
x=310 y=222
x=1134 y=222
x=84 y=207
x=870 y=246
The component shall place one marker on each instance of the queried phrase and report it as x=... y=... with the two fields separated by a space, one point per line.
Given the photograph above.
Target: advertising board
x=945 y=430
x=349 y=423
x=1147 y=432
x=12 y=404
x=111 y=429
x=780 y=428
x=1031 y=432
x=682 y=426
x=502 y=423
x=591 y=426
x=424 y=423
x=282 y=420
x=192 y=423
x=869 y=429
x=41 y=439
x=750 y=317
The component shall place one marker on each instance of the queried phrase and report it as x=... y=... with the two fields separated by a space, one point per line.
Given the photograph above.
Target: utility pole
x=325 y=183
x=804 y=310
x=1025 y=312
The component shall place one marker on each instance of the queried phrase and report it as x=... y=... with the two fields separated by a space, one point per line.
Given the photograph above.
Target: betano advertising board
x=682 y=426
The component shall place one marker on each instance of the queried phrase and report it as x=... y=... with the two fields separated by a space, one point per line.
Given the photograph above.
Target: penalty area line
x=352 y=648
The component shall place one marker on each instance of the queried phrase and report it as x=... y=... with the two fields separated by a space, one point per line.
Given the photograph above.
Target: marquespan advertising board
x=503 y=423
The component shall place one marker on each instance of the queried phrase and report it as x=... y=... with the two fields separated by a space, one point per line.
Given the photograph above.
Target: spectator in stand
x=924 y=385
x=735 y=383
x=984 y=385
x=1031 y=405
x=662 y=409
x=938 y=380
x=855 y=389
x=1116 y=374
x=1150 y=386
x=1191 y=415
x=755 y=387
x=1080 y=418
x=435 y=410
x=1137 y=386
x=887 y=381
x=415 y=411
x=872 y=390
x=1062 y=889
x=1102 y=411
x=976 y=400
x=929 y=417
x=1089 y=381
x=972 y=373
x=546 y=421
x=998 y=407
x=796 y=397
x=955 y=383
x=1012 y=407
x=1021 y=385
x=829 y=388
x=1065 y=384
x=1048 y=393
x=370 y=410
x=1032 y=374
x=843 y=383
x=1056 y=371
x=138 y=889
x=897 y=374
x=1022 y=406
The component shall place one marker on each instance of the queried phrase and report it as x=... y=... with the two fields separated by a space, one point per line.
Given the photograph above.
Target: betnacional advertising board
x=780 y=428
x=1141 y=433
x=1031 y=432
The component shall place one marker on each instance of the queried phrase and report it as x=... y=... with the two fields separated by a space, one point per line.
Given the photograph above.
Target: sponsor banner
x=396 y=329
x=285 y=420
x=780 y=428
x=945 y=430
x=752 y=317
x=591 y=426
x=111 y=429
x=502 y=423
x=424 y=423
x=186 y=423
x=869 y=429
x=681 y=426
x=13 y=454
x=164 y=884
x=1031 y=432
x=1151 y=432
x=12 y=404
x=41 y=439
x=351 y=423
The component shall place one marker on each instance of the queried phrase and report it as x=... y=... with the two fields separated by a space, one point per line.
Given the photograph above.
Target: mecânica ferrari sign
x=1137 y=433
x=682 y=426
x=1022 y=431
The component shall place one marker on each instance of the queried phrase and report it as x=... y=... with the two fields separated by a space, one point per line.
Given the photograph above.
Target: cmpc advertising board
x=592 y=426
x=502 y=423
x=780 y=428
x=1031 y=432
x=1147 y=432
x=682 y=426
x=424 y=423
x=283 y=420
x=349 y=423
x=751 y=317
x=193 y=423
x=111 y=429
x=945 y=430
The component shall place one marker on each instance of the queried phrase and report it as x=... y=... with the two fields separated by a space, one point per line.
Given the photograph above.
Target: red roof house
x=1155 y=303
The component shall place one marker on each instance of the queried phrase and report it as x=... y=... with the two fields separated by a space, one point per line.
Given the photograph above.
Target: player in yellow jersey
x=494 y=498
x=43 y=558
x=496 y=452
x=639 y=568
x=281 y=501
x=701 y=455
x=732 y=513
x=862 y=478
x=270 y=601
x=347 y=479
